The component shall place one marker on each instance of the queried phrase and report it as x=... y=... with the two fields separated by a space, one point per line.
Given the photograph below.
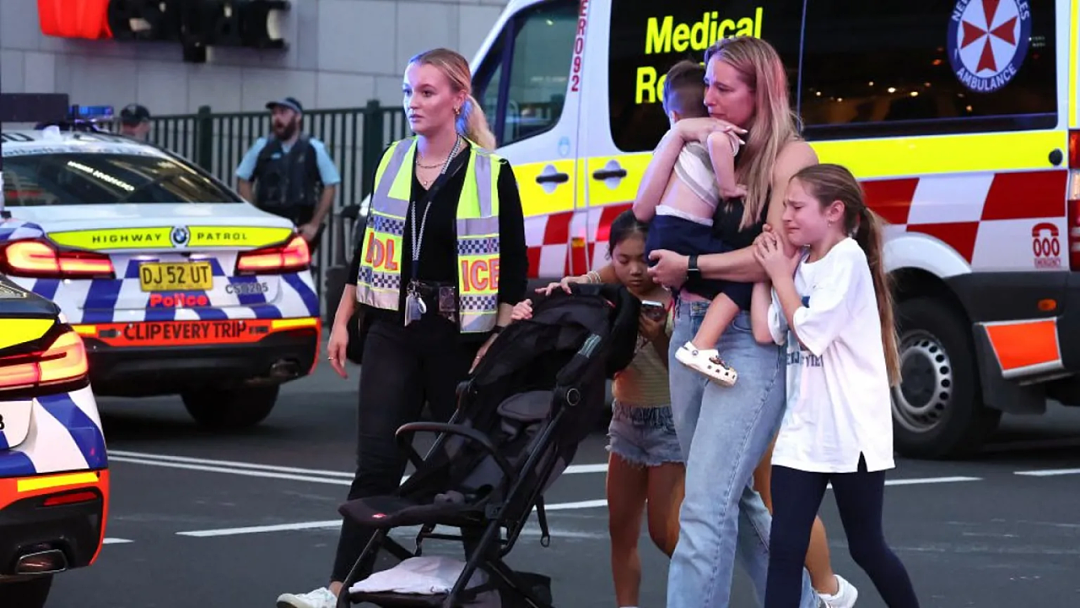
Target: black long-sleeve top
x=438 y=250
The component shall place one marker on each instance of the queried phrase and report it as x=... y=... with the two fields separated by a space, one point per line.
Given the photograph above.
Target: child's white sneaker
x=706 y=362
x=319 y=598
x=845 y=596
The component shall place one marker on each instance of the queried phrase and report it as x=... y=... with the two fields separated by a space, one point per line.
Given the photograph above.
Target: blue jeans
x=722 y=515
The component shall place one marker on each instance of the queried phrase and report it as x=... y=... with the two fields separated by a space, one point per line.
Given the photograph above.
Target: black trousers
x=859 y=497
x=403 y=367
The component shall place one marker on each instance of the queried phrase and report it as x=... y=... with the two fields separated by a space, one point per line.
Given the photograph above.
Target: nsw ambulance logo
x=988 y=41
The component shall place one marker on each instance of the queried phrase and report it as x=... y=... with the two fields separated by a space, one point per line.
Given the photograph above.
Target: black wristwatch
x=498 y=328
x=692 y=267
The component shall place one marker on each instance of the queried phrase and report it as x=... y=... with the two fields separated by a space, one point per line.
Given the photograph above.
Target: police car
x=54 y=479
x=176 y=284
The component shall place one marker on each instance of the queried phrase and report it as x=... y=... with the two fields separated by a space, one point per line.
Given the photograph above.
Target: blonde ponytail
x=473 y=124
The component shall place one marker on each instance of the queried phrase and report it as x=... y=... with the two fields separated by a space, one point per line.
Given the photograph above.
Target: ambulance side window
x=922 y=67
x=521 y=84
x=648 y=37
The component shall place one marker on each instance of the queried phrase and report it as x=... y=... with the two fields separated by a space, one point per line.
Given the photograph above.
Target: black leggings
x=796 y=498
x=403 y=367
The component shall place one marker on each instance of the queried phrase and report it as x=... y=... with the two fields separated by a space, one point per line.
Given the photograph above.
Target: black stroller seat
x=521 y=415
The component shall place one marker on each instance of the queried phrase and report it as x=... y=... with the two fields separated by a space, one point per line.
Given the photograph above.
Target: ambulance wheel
x=31 y=593
x=226 y=409
x=937 y=409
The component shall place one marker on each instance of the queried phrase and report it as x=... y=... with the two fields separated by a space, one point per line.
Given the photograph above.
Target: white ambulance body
x=961 y=119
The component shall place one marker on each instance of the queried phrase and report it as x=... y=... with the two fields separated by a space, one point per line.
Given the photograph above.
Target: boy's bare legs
x=700 y=354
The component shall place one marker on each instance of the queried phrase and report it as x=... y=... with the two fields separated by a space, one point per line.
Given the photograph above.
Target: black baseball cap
x=134 y=114
x=286 y=102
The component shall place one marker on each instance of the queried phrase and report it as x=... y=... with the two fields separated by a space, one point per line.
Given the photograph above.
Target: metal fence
x=354 y=137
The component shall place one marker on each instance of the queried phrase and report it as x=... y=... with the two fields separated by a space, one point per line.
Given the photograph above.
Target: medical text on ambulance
x=664 y=36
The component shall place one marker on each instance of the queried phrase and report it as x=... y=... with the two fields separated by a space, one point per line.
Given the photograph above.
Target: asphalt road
x=231 y=521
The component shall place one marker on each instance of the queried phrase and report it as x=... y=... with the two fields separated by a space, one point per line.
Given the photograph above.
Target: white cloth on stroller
x=425 y=575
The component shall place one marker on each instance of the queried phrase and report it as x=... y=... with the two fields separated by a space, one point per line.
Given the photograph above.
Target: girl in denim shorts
x=645 y=464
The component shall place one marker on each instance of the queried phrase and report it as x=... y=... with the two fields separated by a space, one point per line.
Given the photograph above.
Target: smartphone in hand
x=653 y=310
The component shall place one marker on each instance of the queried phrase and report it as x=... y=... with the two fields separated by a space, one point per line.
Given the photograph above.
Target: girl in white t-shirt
x=830 y=303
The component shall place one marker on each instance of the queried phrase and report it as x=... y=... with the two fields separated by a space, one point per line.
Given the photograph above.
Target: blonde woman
x=431 y=322
x=726 y=432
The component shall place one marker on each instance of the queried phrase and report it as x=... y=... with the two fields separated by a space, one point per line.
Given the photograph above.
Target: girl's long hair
x=829 y=183
x=471 y=123
x=774 y=123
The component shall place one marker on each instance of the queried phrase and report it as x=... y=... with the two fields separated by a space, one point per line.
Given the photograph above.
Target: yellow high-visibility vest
x=378 y=283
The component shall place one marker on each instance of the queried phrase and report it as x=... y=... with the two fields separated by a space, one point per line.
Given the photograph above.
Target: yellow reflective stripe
x=385 y=160
x=879 y=158
x=535 y=200
x=115 y=238
x=1074 y=65
x=30 y=484
x=401 y=187
x=280 y=324
x=920 y=156
x=159 y=237
x=469 y=199
x=626 y=190
x=20 y=331
x=85 y=330
x=236 y=236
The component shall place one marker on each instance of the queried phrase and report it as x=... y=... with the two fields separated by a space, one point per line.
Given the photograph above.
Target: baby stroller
x=534 y=397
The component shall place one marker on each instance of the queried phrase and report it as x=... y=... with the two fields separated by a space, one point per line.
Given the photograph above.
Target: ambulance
x=176 y=284
x=960 y=117
x=54 y=473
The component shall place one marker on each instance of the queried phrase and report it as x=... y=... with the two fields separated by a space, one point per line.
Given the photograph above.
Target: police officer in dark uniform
x=135 y=122
x=292 y=172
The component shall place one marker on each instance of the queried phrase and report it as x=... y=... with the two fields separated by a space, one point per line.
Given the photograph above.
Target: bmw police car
x=176 y=284
x=54 y=480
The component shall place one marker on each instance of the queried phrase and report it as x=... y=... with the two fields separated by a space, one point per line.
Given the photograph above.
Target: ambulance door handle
x=552 y=178
x=602 y=174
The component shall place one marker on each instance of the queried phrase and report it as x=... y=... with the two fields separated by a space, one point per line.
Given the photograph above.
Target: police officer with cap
x=292 y=172
x=135 y=122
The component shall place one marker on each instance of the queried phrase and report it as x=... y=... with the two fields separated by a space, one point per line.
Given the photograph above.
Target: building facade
x=341 y=53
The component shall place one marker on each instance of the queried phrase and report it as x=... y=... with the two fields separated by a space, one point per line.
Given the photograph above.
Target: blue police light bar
x=92 y=112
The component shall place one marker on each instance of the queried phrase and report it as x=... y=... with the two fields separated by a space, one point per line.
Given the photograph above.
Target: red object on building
x=74 y=18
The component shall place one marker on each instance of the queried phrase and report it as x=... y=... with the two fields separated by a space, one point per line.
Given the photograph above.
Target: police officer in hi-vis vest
x=441 y=264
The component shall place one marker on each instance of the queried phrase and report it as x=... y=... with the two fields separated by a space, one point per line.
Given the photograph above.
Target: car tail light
x=1073 y=198
x=291 y=257
x=64 y=361
x=71 y=498
x=41 y=259
x=1074 y=149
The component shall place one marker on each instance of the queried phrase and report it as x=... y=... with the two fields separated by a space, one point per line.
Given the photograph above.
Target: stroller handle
x=406 y=431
